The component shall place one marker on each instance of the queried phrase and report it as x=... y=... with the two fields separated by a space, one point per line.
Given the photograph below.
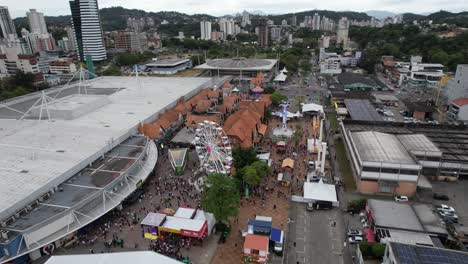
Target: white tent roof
x=142 y=257
x=264 y=156
x=312 y=108
x=319 y=191
x=281 y=77
x=284 y=70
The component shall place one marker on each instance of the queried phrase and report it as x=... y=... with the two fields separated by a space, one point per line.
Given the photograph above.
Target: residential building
x=87 y=27
x=228 y=27
x=136 y=24
x=284 y=22
x=263 y=39
x=308 y=22
x=217 y=36
x=11 y=63
x=71 y=37
x=7 y=28
x=342 y=32
x=37 y=24
x=316 y=22
x=245 y=18
x=65 y=44
x=458 y=86
x=131 y=41
x=331 y=65
x=325 y=42
x=399 y=253
x=205 y=30
x=294 y=21
x=275 y=33
x=62 y=66
x=458 y=110
x=150 y=22
x=424 y=75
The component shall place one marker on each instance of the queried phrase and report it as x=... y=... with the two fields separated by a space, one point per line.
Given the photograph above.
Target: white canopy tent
x=312 y=108
x=281 y=77
x=319 y=191
x=142 y=257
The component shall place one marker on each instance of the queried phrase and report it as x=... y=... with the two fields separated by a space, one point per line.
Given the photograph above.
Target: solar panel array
x=410 y=254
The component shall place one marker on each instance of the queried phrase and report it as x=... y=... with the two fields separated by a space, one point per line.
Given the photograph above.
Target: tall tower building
x=342 y=32
x=263 y=34
x=87 y=27
x=205 y=30
x=245 y=18
x=7 y=27
x=37 y=24
x=316 y=22
x=294 y=21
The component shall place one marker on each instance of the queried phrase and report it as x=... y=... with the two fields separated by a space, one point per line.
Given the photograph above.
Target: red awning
x=370 y=236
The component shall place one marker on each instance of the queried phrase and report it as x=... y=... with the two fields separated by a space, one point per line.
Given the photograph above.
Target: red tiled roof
x=460 y=101
x=202 y=106
x=60 y=63
x=243 y=125
x=193 y=120
x=389 y=63
x=256 y=106
x=256 y=242
x=263 y=128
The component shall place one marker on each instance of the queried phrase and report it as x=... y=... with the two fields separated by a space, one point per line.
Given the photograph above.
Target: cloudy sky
x=216 y=7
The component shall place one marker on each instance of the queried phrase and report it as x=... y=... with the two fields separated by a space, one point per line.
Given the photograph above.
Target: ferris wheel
x=213 y=148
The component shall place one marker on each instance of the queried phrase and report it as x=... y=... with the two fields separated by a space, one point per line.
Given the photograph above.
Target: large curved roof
x=238 y=64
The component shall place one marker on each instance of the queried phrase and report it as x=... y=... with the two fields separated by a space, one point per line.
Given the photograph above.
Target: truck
x=277 y=241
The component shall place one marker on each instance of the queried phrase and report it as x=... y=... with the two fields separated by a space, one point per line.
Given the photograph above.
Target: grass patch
x=345 y=166
x=333 y=120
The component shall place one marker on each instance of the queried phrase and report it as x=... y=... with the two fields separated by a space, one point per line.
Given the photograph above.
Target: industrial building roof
x=405 y=216
x=419 y=144
x=142 y=257
x=244 y=64
x=380 y=147
x=362 y=110
x=167 y=62
x=36 y=156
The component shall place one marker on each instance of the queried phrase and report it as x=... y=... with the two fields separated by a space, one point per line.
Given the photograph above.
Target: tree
x=254 y=173
x=243 y=157
x=378 y=250
x=112 y=71
x=221 y=197
x=277 y=98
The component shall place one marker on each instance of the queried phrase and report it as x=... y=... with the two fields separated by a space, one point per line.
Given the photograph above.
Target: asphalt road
x=312 y=237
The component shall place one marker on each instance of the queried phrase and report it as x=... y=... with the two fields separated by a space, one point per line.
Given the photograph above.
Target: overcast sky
x=217 y=7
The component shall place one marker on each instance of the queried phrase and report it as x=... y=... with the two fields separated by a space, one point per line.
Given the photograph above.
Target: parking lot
x=312 y=237
x=457 y=192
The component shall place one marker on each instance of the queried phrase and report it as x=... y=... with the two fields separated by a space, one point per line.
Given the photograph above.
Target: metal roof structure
x=381 y=147
x=166 y=62
x=245 y=64
x=405 y=216
x=362 y=110
x=142 y=257
x=38 y=155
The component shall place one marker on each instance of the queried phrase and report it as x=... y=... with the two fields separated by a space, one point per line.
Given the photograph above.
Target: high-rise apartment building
x=37 y=24
x=245 y=18
x=205 y=30
x=294 y=21
x=342 y=32
x=316 y=22
x=7 y=27
x=263 y=34
x=87 y=27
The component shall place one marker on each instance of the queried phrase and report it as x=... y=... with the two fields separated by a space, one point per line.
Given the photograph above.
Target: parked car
x=354 y=232
x=442 y=197
x=445 y=208
x=452 y=217
x=355 y=239
x=401 y=198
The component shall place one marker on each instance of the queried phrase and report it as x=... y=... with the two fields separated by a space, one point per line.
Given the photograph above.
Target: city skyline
x=60 y=7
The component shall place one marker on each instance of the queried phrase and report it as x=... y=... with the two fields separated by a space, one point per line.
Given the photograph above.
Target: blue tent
x=276 y=235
